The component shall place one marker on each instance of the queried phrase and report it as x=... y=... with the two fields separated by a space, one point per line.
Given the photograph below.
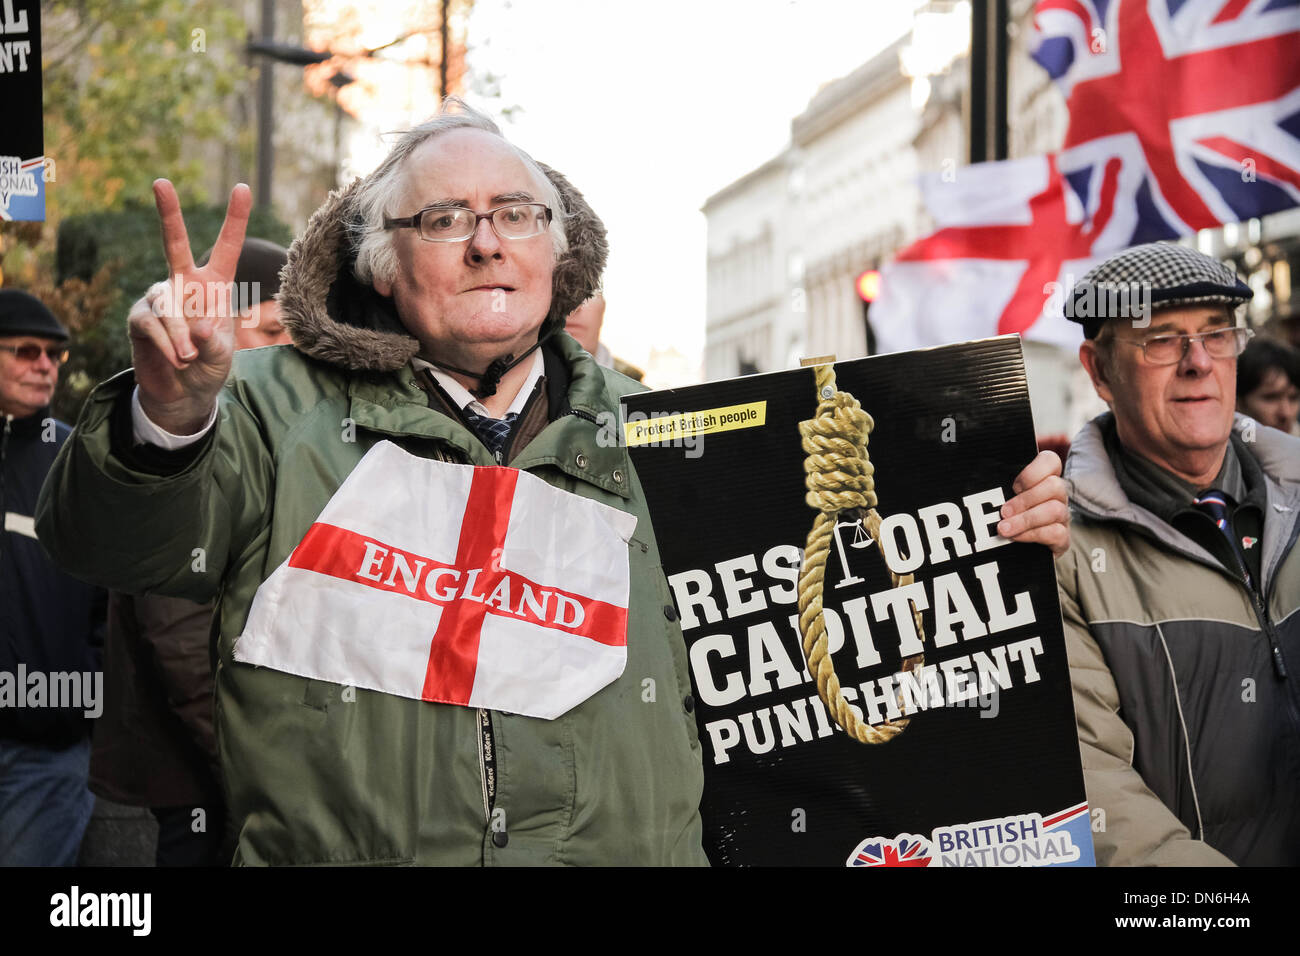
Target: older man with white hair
x=419 y=660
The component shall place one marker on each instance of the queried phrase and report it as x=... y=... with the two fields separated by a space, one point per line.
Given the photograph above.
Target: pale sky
x=649 y=108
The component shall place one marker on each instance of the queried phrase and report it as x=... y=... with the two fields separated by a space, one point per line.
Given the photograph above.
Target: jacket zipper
x=1261 y=612
x=487 y=763
x=1266 y=623
x=1259 y=603
x=486 y=742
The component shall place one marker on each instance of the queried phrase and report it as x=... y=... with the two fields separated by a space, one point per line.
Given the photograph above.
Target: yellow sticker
x=665 y=428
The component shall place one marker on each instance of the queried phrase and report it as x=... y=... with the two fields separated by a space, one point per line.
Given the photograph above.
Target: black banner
x=22 y=135
x=981 y=765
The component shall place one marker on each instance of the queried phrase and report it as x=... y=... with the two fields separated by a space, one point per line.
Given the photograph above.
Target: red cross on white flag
x=1011 y=237
x=484 y=587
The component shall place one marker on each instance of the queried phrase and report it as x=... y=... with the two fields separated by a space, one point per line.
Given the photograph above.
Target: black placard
x=22 y=138
x=993 y=779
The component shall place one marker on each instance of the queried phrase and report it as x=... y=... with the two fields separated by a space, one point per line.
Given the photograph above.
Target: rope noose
x=839 y=478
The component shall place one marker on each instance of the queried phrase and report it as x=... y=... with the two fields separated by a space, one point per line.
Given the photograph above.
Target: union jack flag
x=1199 y=101
x=905 y=850
x=1184 y=114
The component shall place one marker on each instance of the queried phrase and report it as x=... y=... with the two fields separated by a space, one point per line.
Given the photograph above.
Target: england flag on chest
x=483 y=587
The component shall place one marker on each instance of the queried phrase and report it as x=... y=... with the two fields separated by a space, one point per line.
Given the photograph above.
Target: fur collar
x=333 y=317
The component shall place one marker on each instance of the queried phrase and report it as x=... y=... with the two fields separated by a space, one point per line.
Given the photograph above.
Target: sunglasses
x=58 y=354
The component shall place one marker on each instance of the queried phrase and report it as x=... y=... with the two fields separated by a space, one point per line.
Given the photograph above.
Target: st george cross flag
x=1198 y=100
x=1010 y=238
x=484 y=587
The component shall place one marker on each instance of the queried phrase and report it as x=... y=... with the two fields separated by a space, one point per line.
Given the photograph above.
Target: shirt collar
x=467 y=402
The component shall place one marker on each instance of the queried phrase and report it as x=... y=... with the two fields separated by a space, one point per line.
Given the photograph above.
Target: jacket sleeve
x=109 y=517
x=1136 y=828
x=174 y=633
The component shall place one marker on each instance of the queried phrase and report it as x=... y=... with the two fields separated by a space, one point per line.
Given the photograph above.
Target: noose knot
x=839 y=475
x=839 y=478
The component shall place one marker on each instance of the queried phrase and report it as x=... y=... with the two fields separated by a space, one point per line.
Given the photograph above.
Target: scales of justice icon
x=861 y=539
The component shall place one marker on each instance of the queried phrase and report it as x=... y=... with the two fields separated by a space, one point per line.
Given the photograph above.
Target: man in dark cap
x=1182 y=582
x=50 y=682
x=34 y=344
x=257 y=283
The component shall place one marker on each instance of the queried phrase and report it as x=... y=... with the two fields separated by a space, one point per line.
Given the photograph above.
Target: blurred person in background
x=50 y=624
x=1268 y=384
x=257 y=283
x=584 y=324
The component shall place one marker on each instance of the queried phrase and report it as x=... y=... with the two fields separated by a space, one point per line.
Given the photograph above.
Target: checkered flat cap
x=1158 y=275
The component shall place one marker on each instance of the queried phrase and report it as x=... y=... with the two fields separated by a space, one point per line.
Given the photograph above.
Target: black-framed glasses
x=58 y=354
x=1227 y=342
x=519 y=220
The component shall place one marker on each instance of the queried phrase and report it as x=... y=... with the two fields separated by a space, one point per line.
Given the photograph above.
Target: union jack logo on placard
x=1199 y=101
x=906 y=849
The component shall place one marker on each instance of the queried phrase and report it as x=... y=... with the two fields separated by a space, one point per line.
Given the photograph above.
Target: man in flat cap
x=1182 y=582
x=50 y=624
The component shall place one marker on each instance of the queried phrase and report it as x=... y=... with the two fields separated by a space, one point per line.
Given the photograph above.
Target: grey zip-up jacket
x=1186 y=687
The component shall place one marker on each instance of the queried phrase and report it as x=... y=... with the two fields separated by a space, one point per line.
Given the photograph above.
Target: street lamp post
x=265 y=96
x=270 y=51
x=988 y=80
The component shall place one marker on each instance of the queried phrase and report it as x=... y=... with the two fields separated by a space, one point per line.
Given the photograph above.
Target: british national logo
x=1026 y=839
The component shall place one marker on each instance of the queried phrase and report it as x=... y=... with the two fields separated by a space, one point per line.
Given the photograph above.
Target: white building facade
x=751 y=315
x=859 y=200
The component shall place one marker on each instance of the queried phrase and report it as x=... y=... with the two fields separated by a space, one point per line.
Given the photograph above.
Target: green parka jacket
x=319 y=773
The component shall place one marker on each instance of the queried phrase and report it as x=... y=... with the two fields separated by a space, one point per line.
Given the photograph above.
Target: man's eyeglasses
x=1171 y=349
x=30 y=353
x=521 y=220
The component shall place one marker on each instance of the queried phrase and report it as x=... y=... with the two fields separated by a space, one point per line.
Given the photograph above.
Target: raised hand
x=182 y=331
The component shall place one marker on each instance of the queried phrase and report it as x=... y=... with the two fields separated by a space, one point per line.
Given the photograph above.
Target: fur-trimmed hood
x=332 y=316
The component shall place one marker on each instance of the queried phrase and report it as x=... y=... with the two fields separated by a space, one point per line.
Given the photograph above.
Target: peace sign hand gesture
x=182 y=331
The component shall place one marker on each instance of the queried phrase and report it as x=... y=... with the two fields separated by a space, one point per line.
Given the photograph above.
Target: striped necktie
x=1215 y=504
x=493 y=431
